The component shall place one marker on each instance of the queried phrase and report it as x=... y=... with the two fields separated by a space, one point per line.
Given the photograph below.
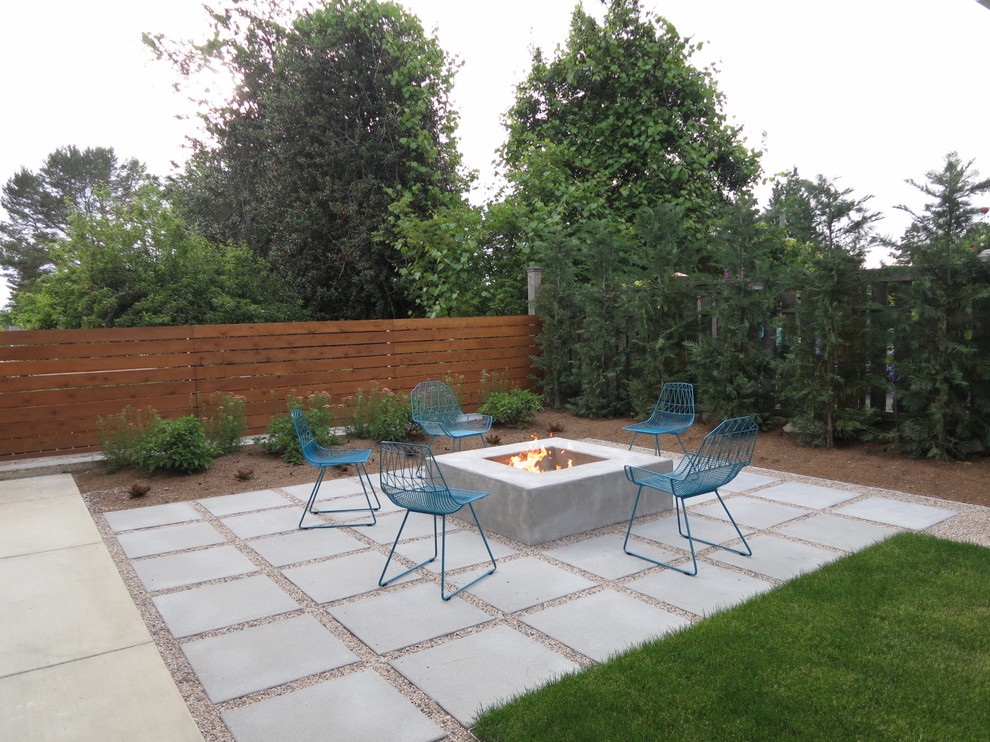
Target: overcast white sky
x=868 y=92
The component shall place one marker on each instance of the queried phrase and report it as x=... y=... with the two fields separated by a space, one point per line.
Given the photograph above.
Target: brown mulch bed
x=863 y=464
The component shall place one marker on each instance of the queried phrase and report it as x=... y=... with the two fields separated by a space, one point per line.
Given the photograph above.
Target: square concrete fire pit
x=536 y=507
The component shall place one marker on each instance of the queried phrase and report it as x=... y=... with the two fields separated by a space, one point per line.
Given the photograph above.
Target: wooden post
x=533 y=279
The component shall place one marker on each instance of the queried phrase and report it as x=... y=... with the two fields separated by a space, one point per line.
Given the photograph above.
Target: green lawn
x=891 y=643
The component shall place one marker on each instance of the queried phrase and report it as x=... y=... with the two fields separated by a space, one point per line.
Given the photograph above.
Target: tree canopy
x=137 y=264
x=619 y=120
x=39 y=204
x=335 y=116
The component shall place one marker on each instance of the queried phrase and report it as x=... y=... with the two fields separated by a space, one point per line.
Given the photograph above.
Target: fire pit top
x=536 y=507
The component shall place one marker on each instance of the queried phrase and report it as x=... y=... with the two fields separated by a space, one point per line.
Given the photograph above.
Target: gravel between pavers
x=972 y=524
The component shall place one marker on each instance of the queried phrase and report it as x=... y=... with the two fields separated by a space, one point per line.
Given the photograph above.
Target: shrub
x=224 y=420
x=174 y=445
x=381 y=415
x=280 y=437
x=515 y=407
x=120 y=434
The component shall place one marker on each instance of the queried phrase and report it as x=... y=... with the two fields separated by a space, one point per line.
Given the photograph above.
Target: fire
x=530 y=461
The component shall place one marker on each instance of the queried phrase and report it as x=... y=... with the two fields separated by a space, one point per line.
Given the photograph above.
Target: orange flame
x=530 y=461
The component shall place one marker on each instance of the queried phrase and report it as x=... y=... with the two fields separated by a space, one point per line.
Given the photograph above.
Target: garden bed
x=863 y=464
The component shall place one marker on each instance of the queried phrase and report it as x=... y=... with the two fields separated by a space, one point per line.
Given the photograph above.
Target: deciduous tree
x=335 y=116
x=620 y=120
x=138 y=264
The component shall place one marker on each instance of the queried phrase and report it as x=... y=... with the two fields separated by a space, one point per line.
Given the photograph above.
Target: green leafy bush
x=120 y=434
x=280 y=437
x=174 y=445
x=514 y=407
x=381 y=415
x=224 y=419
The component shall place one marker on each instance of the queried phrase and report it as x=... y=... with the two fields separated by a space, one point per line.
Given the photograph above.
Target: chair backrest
x=724 y=452
x=303 y=431
x=676 y=398
x=411 y=478
x=433 y=398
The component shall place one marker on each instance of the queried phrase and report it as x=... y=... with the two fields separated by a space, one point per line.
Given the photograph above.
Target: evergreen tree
x=942 y=377
x=38 y=205
x=825 y=374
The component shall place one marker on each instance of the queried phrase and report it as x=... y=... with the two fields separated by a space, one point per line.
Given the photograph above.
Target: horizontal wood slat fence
x=54 y=384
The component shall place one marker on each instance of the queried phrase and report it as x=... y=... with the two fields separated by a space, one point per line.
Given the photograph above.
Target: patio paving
x=275 y=633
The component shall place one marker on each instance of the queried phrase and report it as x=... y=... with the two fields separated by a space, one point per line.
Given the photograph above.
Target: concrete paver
x=264 y=523
x=470 y=673
x=302 y=546
x=603 y=556
x=360 y=707
x=747 y=480
x=208 y=607
x=897 y=513
x=188 y=568
x=154 y=541
x=604 y=624
x=804 y=495
x=243 y=662
x=344 y=577
x=153 y=515
x=523 y=583
x=712 y=590
x=398 y=619
x=751 y=512
x=464 y=549
x=664 y=530
x=243 y=502
x=777 y=557
x=838 y=532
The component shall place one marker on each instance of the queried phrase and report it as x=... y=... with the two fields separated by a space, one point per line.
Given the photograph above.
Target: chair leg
x=310 y=504
x=444 y=554
x=748 y=552
x=633 y=441
x=625 y=545
x=362 y=471
x=678 y=437
x=382 y=582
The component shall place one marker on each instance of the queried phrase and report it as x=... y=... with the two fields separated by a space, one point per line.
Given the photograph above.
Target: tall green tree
x=733 y=356
x=138 y=264
x=663 y=297
x=942 y=372
x=335 y=116
x=825 y=373
x=620 y=120
x=39 y=204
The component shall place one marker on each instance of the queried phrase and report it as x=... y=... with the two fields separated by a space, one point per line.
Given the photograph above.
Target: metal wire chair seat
x=435 y=409
x=411 y=478
x=323 y=458
x=722 y=455
x=672 y=415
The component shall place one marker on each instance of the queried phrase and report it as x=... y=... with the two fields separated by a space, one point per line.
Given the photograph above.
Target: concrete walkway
x=76 y=659
x=274 y=633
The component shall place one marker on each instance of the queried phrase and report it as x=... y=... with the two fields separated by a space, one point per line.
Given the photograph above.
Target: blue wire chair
x=672 y=415
x=322 y=458
x=436 y=410
x=722 y=455
x=410 y=477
